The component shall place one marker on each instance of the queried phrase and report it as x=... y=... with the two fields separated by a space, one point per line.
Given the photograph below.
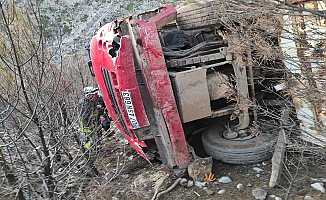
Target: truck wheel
x=246 y=151
x=198 y=15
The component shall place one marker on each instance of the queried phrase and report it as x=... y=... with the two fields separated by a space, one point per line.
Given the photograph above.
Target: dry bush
x=40 y=152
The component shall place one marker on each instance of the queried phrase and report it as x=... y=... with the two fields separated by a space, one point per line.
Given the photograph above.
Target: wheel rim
x=229 y=134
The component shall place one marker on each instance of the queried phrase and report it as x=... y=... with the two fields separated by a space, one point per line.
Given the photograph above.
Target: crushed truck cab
x=113 y=60
x=167 y=75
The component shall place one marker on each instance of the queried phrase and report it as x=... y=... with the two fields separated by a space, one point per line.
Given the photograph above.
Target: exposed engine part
x=184 y=53
x=177 y=40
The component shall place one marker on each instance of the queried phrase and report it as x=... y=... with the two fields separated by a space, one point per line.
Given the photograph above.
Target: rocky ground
x=77 y=20
x=125 y=176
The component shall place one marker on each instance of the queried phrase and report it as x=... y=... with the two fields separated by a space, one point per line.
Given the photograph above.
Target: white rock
x=221 y=191
x=319 y=186
x=240 y=186
x=249 y=185
x=280 y=87
x=257 y=169
x=264 y=164
x=308 y=198
x=257 y=175
x=278 y=198
x=200 y=184
x=225 y=179
x=272 y=196
x=259 y=193
x=190 y=183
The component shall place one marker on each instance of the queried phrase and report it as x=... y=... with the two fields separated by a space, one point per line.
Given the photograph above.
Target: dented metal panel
x=191 y=92
x=160 y=89
x=108 y=70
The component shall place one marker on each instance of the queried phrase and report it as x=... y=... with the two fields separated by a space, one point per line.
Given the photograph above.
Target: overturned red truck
x=167 y=76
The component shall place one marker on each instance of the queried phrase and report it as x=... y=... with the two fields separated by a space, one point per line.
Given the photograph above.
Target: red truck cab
x=114 y=65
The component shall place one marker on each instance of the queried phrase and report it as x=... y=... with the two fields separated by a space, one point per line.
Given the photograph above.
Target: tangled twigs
x=169 y=189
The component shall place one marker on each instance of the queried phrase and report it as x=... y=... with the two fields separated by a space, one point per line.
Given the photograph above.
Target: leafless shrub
x=40 y=153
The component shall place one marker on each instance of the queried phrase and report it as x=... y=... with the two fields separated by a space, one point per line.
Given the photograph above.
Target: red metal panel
x=121 y=77
x=160 y=89
x=127 y=82
x=166 y=15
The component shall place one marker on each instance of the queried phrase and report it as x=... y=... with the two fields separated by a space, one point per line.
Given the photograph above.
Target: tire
x=250 y=151
x=198 y=15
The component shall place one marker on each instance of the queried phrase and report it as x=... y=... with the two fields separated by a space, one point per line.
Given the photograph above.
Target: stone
x=308 y=198
x=240 y=186
x=258 y=170
x=278 y=198
x=271 y=196
x=225 y=179
x=190 y=183
x=259 y=193
x=183 y=182
x=249 y=185
x=200 y=184
x=319 y=186
x=257 y=175
x=221 y=192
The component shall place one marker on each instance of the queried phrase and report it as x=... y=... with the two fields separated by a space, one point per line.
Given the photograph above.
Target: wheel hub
x=237 y=135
